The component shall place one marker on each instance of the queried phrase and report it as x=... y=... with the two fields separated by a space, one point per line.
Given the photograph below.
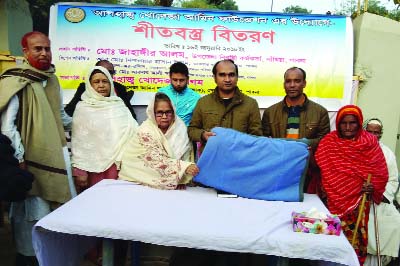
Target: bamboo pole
x=378 y=246
x=360 y=211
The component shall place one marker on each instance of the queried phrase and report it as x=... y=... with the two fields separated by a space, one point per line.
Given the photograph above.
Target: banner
x=142 y=42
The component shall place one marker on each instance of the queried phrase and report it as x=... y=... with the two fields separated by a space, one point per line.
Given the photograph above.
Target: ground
x=7 y=251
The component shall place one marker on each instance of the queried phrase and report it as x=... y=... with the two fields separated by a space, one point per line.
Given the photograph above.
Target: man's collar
x=237 y=97
x=235 y=93
x=302 y=103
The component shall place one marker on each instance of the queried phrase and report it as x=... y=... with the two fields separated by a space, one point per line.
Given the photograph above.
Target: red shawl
x=345 y=165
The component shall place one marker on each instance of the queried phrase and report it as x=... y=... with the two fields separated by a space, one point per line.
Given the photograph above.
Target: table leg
x=108 y=252
x=135 y=253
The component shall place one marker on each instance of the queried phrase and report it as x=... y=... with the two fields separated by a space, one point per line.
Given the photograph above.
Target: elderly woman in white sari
x=159 y=155
x=101 y=127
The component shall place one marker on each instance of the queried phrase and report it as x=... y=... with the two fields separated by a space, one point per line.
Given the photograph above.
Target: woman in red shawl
x=346 y=156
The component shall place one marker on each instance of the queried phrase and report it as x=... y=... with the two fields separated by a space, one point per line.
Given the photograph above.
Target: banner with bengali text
x=142 y=42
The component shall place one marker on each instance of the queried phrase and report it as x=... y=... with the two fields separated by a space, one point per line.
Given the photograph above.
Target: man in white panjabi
x=388 y=215
x=33 y=118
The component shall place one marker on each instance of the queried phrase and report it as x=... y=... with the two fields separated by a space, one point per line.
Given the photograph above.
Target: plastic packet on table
x=316 y=222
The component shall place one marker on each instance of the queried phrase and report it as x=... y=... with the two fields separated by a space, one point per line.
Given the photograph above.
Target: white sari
x=101 y=127
x=156 y=159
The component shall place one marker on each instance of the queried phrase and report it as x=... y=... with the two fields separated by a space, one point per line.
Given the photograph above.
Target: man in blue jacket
x=184 y=98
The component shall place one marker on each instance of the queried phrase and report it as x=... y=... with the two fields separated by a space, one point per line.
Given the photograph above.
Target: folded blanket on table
x=254 y=167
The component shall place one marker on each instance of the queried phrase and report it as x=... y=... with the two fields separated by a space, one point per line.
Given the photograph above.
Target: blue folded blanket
x=254 y=167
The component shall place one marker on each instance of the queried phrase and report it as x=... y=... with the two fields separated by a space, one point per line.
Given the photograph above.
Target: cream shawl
x=101 y=126
x=40 y=126
x=156 y=159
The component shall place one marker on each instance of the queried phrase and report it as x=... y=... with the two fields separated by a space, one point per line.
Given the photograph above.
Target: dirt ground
x=7 y=251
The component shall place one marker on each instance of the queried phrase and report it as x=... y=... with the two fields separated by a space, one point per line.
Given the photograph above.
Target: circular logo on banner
x=74 y=14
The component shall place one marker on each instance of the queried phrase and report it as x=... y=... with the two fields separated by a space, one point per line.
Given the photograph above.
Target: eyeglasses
x=162 y=113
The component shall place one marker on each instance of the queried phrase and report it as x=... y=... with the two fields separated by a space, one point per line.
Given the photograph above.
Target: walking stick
x=360 y=211
x=378 y=247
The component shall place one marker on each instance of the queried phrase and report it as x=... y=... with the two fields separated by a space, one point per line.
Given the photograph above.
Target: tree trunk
x=166 y=3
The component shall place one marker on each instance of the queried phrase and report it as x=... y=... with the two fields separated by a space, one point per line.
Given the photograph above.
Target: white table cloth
x=194 y=218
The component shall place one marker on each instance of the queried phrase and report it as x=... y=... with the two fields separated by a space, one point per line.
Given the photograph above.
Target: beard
x=41 y=65
x=179 y=89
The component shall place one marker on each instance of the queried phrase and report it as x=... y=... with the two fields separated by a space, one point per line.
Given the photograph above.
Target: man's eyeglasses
x=162 y=113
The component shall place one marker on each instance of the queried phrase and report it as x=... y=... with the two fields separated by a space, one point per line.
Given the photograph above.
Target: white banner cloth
x=194 y=218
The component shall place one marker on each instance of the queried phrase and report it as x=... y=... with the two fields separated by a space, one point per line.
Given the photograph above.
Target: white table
x=194 y=218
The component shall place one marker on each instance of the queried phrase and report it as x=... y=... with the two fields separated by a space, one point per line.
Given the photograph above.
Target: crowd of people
x=350 y=169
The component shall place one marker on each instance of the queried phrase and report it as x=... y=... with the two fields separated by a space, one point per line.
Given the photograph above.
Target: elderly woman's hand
x=192 y=170
x=367 y=188
x=81 y=183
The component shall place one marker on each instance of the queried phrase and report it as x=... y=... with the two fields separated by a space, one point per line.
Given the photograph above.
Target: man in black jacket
x=120 y=90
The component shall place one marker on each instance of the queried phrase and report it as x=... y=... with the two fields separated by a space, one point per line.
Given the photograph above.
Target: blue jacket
x=184 y=101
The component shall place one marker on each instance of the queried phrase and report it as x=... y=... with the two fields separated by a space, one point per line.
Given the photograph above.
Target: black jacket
x=119 y=89
x=14 y=182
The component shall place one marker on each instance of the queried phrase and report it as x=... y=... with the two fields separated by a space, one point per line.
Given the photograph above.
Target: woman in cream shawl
x=101 y=126
x=159 y=155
